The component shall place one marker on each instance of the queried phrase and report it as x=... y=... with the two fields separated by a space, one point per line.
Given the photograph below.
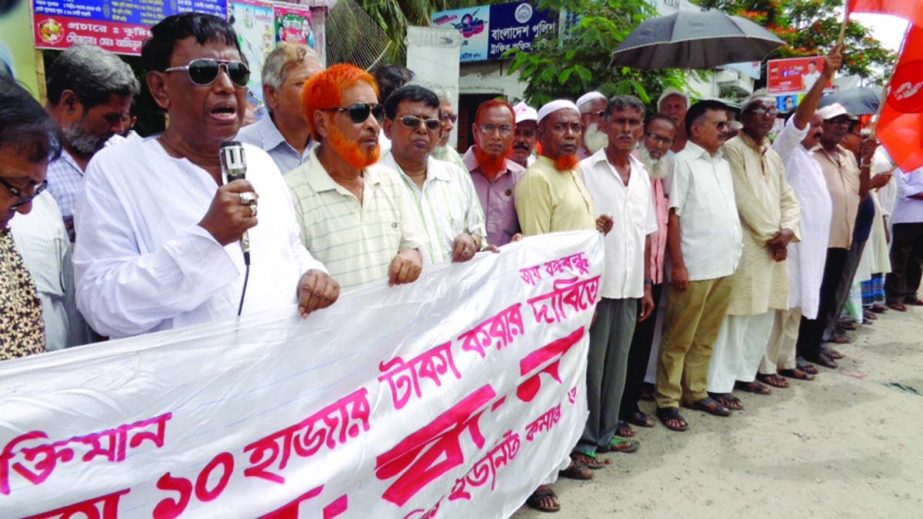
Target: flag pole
x=842 y=36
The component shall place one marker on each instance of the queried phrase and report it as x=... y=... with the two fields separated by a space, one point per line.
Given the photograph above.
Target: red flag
x=900 y=128
x=911 y=10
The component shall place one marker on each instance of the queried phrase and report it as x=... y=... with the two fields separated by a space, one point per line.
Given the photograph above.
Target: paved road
x=849 y=444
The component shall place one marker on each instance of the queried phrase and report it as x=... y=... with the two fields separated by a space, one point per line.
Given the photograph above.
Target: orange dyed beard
x=349 y=150
x=491 y=165
x=565 y=162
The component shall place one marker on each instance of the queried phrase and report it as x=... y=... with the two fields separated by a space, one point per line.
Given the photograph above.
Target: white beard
x=656 y=168
x=593 y=139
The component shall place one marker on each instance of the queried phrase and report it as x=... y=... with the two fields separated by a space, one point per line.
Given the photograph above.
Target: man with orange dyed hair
x=353 y=212
x=493 y=174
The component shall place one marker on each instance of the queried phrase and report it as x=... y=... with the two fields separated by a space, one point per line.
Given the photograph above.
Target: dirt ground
x=848 y=444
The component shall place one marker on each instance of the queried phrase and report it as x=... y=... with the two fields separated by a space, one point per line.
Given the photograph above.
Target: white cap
x=672 y=92
x=589 y=96
x=524 y=112
x=832 y=111
x=554 y=106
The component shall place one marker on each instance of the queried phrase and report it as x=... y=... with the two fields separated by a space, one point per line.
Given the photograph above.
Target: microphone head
x=233 y=161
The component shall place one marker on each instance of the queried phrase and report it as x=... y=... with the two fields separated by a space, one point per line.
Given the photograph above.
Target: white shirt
x=632 y=212
x=265 y=135
x=42 y=241
x=446 y=206
x=887 y=194
x=702 y=192
x=906 y=209
x=807 y=258
x=144 y=264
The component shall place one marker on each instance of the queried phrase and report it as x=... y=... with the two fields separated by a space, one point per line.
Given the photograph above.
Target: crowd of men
x=730 y=261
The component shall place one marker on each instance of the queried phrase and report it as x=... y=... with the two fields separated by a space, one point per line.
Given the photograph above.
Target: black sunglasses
x=22 y=198
x=204 y=71
x=413 y=122
x=359 y=112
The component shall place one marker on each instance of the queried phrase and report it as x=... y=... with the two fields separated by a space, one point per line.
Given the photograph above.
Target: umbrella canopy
x=856 y=101
x=691 y=39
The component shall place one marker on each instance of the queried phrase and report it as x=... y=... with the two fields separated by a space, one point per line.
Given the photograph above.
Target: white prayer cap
x=832 y=111
x=554 y=106
x=524 y=112
x=589 y=96
x=672 y=92
x=759 y=95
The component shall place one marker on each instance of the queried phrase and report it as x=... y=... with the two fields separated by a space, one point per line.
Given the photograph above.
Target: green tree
x=393 y=17
x=811 y=27
x=576 y=60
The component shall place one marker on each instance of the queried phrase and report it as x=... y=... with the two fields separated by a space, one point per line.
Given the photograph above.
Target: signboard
x=256 y=34
x=490 y=31
x=787 y=103
x=794 y=74
x=293 y=24
x=119 y=26
x=457 y=394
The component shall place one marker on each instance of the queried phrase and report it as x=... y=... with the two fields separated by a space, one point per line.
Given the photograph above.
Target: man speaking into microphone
x=157 y=245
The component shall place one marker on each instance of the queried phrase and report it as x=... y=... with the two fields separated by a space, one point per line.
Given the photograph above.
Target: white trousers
x=780 y=353
x=738 y=350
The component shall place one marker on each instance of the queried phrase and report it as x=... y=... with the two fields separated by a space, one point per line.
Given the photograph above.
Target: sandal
x=897 y=306
x=544 y=500
x=641 y=420
x=668 y=415
x=832 y=353
x=878 y=308
x=823 y=360
x=803 y=365
x=623 y=445
x=796 y=374
x=913 y=301
x=753 y=387
x=576 y=471
x=711 y=406
x=624 y=430
x=728 y=400
x=840 y=338
x=588 y=460
x=773 y=380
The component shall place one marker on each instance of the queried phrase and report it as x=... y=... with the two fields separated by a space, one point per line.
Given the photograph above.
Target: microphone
x=234 y=167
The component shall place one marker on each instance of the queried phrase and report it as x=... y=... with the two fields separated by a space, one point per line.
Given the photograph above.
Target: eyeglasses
x=762 y=112
x=660 y=139
x=204 y=71
x=489 y=129
x=359 y=112
x=413 y=122
x=448 y=117
x=23 y=198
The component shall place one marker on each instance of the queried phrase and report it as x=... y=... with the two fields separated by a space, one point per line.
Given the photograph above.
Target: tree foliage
x=393 y=17
x=811 y=27
x=576 y=61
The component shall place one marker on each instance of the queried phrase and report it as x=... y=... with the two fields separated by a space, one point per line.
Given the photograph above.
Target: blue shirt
x=264 y=134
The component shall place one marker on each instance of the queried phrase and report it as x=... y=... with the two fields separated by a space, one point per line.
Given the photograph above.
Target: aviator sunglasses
x=204 y=71
x=413 y=122
x=359 y=112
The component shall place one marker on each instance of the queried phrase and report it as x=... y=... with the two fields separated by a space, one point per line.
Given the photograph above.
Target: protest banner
x=794 y=74
x=457 y=394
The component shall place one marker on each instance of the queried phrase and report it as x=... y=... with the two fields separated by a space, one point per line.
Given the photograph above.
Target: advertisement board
x=119 y=26
x=794 y=74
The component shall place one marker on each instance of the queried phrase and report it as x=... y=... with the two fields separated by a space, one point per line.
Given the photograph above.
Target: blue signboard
x=488 y=31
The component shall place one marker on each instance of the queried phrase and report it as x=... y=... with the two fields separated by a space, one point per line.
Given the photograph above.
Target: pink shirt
x=496 y=198
x=659 y=237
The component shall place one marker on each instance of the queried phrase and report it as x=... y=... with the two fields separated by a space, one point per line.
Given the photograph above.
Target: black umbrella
x=856 y=101
x=691 y=39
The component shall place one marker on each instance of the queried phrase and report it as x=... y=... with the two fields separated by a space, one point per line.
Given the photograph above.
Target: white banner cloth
x=458 y=394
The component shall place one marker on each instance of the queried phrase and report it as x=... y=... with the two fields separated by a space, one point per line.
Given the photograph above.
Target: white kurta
x=632 y=212
x=144 y=264
x=806 y=259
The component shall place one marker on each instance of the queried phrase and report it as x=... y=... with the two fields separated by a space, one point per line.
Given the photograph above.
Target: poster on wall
x=473 y=25
x=119 y=26
x=17 y=58
x=794 y=74
x=255 y=26
x=294 y=25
